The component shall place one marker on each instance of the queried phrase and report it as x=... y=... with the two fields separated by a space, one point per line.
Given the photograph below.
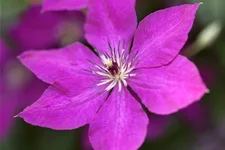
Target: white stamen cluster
x=115 y=69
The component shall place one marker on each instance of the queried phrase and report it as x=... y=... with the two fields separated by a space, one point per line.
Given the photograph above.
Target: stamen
x=102 y=74
x=129 y=70
x=119 y=85
x=104 y=82
x=116 y=68
x=132 y=75
x=124 y=82
x=101 y=68
x=111 y=85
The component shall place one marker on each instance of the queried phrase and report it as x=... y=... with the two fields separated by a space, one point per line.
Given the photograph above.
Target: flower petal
x=36 y=33
x=167 y=89
x=50 y=65
x=68 y=104
x=162 y=34
x=52 y=5
x=47 y=30
x=120 y=124
x=110 y=22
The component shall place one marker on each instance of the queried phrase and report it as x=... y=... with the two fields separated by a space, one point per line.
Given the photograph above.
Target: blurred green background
x=190 y=129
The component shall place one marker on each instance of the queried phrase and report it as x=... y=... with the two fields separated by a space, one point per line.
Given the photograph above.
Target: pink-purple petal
x=110 y=22
x=49 y=65
x=120 y=124
x=162 y=34
x=35 y=33
x=54 y=5
x=47 y=30
x=167 y=89
x=67 y=104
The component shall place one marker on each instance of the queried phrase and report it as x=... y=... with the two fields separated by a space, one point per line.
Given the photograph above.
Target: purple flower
x=48 y=29
x=7 y=98
x=99 y=88
x=15 y=89
x=52 y=5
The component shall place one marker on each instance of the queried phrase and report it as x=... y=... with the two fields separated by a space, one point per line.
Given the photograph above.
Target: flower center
x=115 y=69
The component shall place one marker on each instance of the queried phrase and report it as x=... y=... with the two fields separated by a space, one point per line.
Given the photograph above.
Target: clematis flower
x=100 y=88
x=7 y=96
x=47 y=30
x=6 y=112
x=15 y=89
